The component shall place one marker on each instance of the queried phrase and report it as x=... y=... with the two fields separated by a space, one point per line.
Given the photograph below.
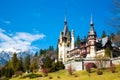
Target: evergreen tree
x=118 y=33
x=57 y=51
x=57 y=66
x=27 y=63
x=15 y=62
x=51 y=48
x=112 y=35
x=85 y=38
x=8 y=70
x=36 y=54
x=21 y=64
x=42 y=52
x=77 y=42
x=47 y=63
x=1 y=73
x=103 y=34
x=34 y=64
x=107 y=52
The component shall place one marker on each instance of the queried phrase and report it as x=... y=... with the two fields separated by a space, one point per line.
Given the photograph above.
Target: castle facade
x=89 y=48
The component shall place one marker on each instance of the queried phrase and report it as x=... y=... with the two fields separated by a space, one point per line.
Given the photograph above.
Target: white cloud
x=19 y=40
x=1 y=30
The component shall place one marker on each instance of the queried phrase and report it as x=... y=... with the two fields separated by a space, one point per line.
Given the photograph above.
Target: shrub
x=99 y=72
x=75 y=75
x=113 y=68
x=89 y=65
x=50 y=77
x=45 y=71
x=57 y=66
x=31 y=76
x=17 y=73
x=58 y=77
x=4 y=78
x=40 y=75
x=9 y=72
x=70 y=70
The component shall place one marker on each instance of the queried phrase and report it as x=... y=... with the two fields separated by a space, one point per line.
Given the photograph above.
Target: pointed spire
x=91 y=21
x=65 y=30
x=92 y=31
x=65 y=20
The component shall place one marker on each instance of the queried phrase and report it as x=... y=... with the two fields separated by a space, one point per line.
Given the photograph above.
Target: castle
x=66 y=42
x=89 y=48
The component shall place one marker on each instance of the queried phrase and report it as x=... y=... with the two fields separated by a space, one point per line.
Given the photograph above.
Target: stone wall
x=116 y=60
x=79 y=64
x=76 y=65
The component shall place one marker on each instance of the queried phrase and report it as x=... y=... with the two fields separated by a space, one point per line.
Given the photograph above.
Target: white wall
x=75 y=65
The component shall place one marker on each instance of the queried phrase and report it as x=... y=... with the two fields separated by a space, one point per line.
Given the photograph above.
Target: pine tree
x=51 y=48
x=36 y=54
x=27 y=63
x=8 y=69
x=103 y=34
x=57 y=51
x=112 y=35
x=1 y=68
x=21 y=64
x=47 y=63
x=42 y=52
x=107 y=52
x=15 y=62
x=34 y=64
x=77 y=42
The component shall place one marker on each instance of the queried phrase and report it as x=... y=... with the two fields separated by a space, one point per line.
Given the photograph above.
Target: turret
x=92 y=32
x=92 y=39
x=72 y=39
x=64 y=43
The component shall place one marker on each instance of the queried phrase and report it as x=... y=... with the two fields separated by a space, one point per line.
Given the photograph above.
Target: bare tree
x=115 y=20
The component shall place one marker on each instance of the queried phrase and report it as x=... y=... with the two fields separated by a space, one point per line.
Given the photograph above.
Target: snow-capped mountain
x=5 y=55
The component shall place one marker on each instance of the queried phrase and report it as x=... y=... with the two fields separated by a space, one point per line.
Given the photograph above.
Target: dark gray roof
x=92 y=31
x=117 y=44
x=104 y=41
x=65 y=30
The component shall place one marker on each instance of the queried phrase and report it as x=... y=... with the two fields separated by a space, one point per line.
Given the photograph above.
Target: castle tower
x=65 y=42
x=92 y=40
x=72 y=39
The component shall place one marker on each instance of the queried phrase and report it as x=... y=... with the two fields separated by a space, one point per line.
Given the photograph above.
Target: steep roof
x=104 y=41
x=118 y=43
x=92 y=30
x=65 y=29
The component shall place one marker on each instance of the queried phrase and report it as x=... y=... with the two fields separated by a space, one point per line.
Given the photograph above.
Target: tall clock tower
x=92 y=40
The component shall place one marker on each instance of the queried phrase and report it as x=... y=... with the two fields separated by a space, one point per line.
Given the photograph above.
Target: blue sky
x=37 y=23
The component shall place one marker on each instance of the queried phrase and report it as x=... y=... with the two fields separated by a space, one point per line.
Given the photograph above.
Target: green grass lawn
x=77 y=75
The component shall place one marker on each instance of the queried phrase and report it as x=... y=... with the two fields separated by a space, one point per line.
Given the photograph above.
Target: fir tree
x=103 y=34
x=107 y=52
x=27 y=63
x=15 y=62
x=34 y=63
x=77 y=42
